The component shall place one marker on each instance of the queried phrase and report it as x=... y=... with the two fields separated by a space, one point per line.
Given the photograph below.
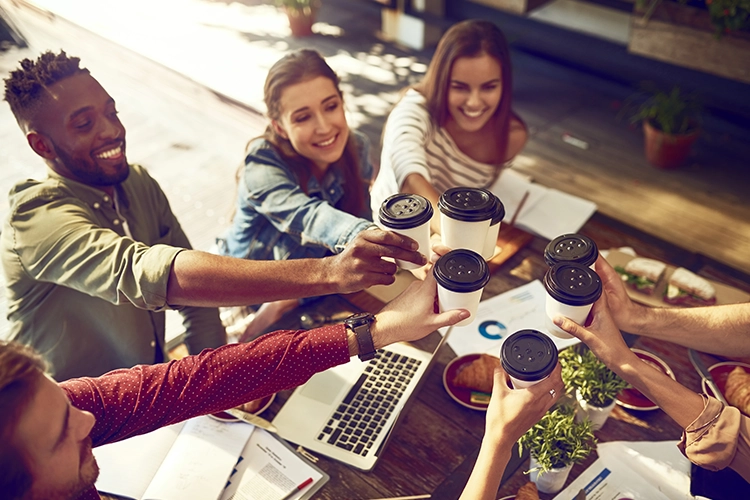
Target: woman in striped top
x=456 y=127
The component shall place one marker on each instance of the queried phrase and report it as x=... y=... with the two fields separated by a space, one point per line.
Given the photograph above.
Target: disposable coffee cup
x=490 y=241
x=528 y=357
x=571 y=248
x=408 y=215
x=465 y=217
x=571 y=291
x=461 y=276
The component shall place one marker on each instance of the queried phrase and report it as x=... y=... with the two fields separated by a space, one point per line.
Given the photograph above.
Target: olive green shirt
x=82 y=292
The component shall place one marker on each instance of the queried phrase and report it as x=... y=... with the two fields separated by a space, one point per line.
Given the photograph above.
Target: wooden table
x=435 y=445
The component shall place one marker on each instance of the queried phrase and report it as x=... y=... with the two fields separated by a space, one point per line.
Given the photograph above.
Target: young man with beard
x=93 y=253
x=47 y=430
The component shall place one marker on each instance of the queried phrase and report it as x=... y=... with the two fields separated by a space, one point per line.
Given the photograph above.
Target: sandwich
x=686 y=288
x=642 y=274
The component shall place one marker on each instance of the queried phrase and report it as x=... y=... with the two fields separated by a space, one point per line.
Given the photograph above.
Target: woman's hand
x=514 y=411
x=625 y=312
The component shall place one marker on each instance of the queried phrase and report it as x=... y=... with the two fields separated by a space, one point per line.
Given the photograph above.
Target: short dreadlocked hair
x=26 y=88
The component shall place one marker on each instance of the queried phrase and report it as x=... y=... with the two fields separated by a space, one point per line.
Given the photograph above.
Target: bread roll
x=737 y=390
x=479 y=374
x=527 y=492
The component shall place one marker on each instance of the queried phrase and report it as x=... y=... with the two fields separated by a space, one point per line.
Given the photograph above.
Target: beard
x=86 y=169
x=88 y=474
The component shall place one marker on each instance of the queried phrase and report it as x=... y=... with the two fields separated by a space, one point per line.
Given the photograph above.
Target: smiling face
x=312 y=118
x=474 y=93
x=54 y=439
x=79 y=134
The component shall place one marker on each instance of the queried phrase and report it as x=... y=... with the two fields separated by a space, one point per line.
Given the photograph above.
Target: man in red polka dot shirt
x=47 y=430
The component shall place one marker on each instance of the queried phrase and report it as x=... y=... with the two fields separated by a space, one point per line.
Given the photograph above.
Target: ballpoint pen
x=301 y=487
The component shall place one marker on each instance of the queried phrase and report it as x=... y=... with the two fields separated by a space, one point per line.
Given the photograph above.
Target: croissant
x=478 y=375
x=527 y=492
x=737 y=390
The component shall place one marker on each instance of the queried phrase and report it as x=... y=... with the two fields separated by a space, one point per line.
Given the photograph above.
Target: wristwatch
x=360 y=323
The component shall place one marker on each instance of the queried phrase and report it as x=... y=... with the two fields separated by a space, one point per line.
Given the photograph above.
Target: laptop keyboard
x=357 y=422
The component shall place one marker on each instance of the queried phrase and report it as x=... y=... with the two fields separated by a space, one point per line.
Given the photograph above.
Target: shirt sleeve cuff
x=710 y=441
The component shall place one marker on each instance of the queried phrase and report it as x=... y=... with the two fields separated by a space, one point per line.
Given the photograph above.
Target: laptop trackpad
x=324 y=387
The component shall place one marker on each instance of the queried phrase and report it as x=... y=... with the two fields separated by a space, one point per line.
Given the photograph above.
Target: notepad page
x=128 y=466
x=268 y=471
x=200 y=461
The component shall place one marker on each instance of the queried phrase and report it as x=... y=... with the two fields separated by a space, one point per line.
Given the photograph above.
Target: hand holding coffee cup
x=571 y=291
x=408 y=215
x=571 y=248
x=528 y=357
x=465 y=217
x=461 y=276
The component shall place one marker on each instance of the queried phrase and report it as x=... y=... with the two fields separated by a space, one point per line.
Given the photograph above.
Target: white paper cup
x=528 y=357
x=408 y=215
x=490 y=241
x=461 y=276
x=572 y=290
x=465 y=217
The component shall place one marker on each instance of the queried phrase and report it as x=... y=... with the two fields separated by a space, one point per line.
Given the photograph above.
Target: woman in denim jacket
x=304 y=189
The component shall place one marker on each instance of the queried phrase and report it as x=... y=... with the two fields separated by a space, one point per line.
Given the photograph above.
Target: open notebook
x=348 y=412
x=204 y=459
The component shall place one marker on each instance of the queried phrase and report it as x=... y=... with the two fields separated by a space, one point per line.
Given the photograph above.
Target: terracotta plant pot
x=301 y=21
x=667 y=151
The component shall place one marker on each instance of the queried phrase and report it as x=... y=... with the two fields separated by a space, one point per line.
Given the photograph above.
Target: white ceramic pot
x=551 y=481
x=597 y=414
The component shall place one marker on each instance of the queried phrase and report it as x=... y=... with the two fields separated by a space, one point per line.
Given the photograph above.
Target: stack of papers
x=546 y=212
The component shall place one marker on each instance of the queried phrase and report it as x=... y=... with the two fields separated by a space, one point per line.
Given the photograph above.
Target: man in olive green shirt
x=93 y=253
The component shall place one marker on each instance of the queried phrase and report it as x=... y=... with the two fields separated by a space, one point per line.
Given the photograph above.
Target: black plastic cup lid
x=467 y=204
x=499 y=211
x=573 y=284
x=528 y=355
x=405 y=211
x=462 y=271
x=571 y=248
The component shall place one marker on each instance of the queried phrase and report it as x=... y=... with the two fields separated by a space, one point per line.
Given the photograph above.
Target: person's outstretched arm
x=715 y=436
x=510 y=414
x=723 y=330
x=203 y=279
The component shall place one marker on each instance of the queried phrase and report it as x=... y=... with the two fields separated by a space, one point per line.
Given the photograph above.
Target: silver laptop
x=348 y=412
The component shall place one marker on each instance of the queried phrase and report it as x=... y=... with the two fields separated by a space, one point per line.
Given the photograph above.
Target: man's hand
x=514 y=411
x=361 y=264
x=411 y=315
x=625 y=312
x=602 y=336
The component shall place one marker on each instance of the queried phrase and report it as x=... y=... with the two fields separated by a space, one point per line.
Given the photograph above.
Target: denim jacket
x=276 y=220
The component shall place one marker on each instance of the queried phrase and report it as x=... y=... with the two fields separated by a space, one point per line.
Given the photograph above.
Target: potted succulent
x=671 y=123
x=301 y=15
x=595 y=386
x=555 y=443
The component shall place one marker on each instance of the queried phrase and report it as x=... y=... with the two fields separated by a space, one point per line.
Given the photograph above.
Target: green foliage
x=582 y=371
x=726 y=15
x=672 y=112
x=558 y=440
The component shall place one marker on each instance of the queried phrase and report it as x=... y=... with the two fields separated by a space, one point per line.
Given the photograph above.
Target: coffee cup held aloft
x=490 y=241
x=528 y=357
x=408 y=215
x=571 y=248
x=465 y=217
x=571 y=291
x=461 y=276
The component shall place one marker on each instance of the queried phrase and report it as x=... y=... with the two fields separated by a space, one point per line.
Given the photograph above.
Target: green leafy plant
x=584 y=372
x=557 y=440
x=672 y=111
x=725 y=15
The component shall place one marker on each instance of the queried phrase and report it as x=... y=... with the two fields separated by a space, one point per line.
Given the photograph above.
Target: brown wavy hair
x=297 y=67
x=471 y=38
x=20 y=369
